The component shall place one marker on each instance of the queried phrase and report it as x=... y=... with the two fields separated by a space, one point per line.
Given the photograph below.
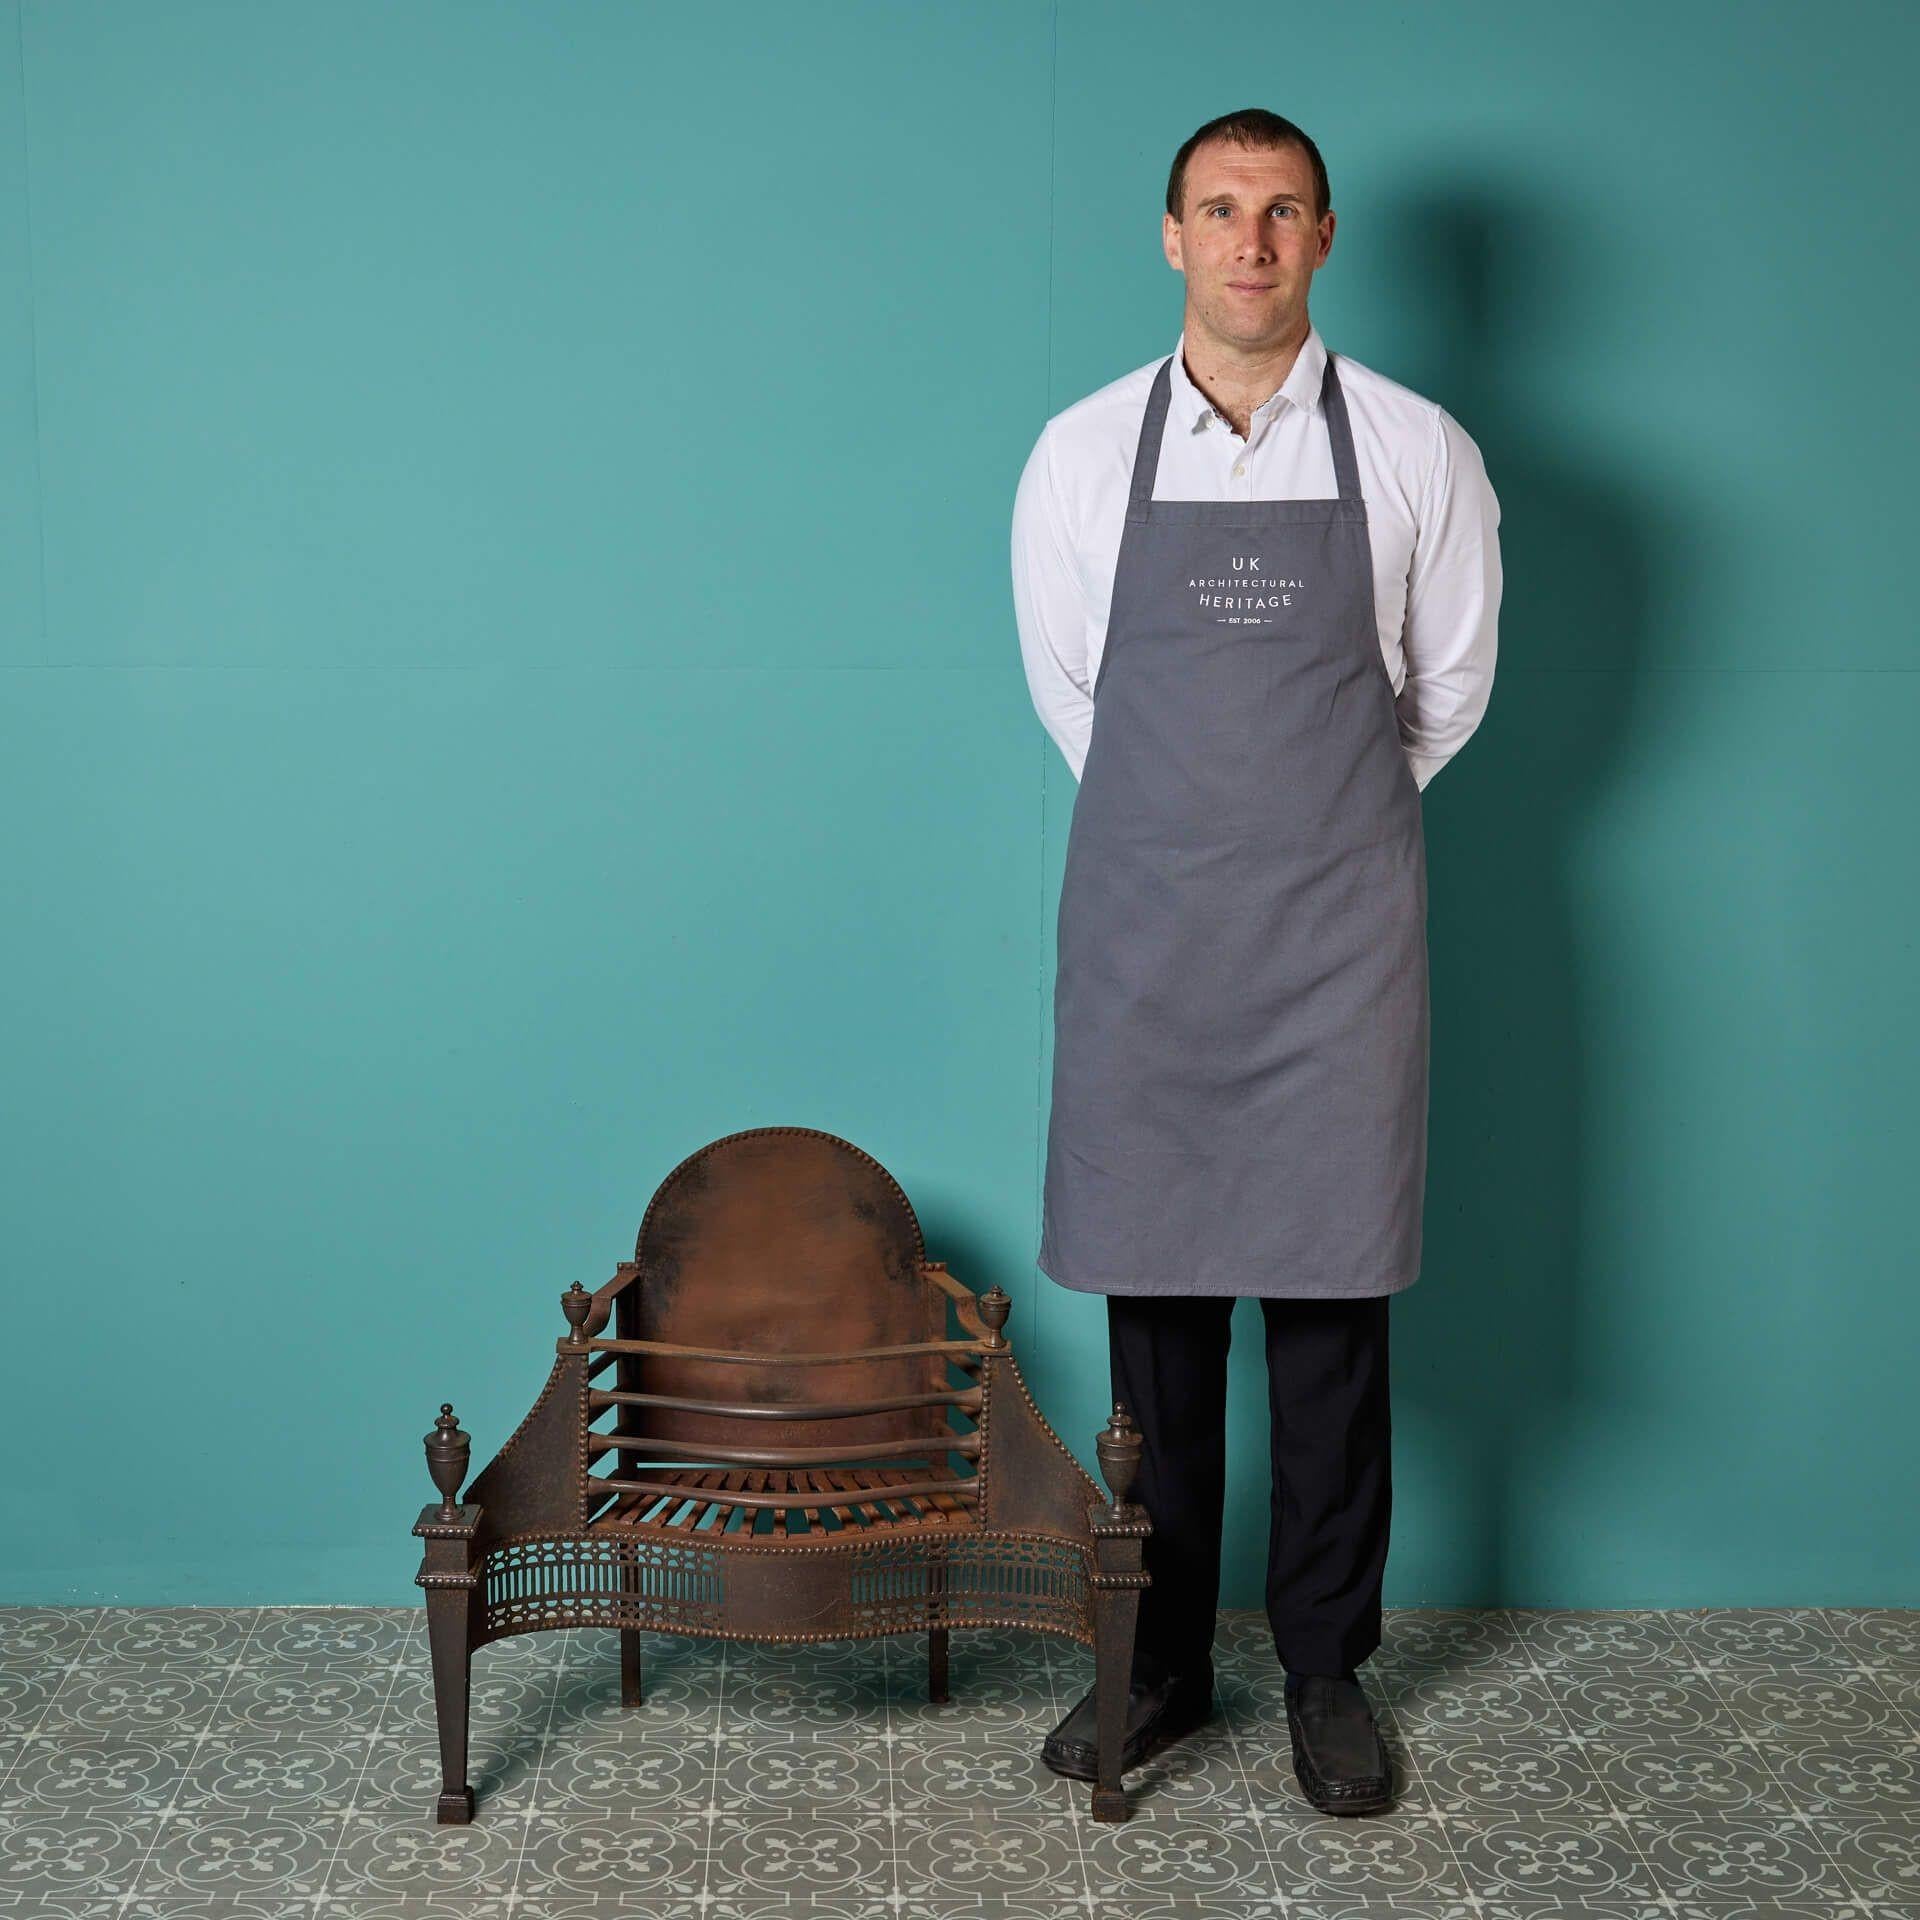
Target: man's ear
x=1170 y=243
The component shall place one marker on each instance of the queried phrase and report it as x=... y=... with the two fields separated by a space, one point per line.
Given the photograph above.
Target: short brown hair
x=1250 y=127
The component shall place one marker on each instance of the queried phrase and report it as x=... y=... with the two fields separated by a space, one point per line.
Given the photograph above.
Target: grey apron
x=1240 y=1010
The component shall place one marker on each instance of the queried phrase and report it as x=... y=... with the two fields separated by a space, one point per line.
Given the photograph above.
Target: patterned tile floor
x=255 y=1763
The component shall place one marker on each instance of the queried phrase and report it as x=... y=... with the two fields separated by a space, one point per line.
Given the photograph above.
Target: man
x=1256 y=587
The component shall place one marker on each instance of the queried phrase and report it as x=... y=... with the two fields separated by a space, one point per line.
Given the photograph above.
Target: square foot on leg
x=454 y=1809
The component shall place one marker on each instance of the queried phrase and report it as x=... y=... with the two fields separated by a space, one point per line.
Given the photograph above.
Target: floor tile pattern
x=279 y=1763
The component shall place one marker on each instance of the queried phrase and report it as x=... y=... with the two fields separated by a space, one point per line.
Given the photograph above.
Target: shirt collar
x=1301 y=388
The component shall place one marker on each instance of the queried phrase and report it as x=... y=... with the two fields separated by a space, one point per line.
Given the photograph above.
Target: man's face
x=1249 y=245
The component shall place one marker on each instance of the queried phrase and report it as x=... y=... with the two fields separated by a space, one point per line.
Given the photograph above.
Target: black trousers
x=1331 y=1456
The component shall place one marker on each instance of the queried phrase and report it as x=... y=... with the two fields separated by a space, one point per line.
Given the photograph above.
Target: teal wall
x=509 y=673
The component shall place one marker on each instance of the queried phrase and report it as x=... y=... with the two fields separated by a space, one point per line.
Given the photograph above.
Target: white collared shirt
x=1431 y=513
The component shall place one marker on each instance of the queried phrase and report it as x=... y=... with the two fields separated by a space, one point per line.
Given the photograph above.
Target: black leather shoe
x=1159 y=1712
x=1338 y=1755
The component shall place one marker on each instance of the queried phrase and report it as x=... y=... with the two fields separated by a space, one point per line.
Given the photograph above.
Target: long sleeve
x=1453 y=605
x=1049 y=607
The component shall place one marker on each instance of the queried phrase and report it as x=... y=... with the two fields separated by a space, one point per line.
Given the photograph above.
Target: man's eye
x=1288 y=211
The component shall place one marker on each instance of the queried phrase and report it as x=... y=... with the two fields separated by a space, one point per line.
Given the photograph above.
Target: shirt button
x=1240 y=469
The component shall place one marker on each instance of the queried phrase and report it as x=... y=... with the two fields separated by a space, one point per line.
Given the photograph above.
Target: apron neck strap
x=1333 y=403
x=1146 y=454
x=1153 y=423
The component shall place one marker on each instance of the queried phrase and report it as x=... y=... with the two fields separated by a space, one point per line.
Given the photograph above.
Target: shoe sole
x=1163 y=1735
x=1315 y=1790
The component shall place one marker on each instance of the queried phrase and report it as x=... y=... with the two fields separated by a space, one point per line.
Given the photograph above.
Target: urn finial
x=1118 y=1446
x=995 y=1304
x=448 y=1451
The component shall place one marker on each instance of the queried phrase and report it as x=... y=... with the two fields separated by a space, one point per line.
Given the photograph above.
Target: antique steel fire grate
x=765 y=1448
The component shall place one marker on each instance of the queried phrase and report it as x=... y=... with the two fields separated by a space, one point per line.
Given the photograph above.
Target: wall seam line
x=33 y=324
x=1043 y=744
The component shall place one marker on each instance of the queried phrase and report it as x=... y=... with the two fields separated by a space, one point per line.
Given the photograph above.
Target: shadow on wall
x=1490 y=1345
